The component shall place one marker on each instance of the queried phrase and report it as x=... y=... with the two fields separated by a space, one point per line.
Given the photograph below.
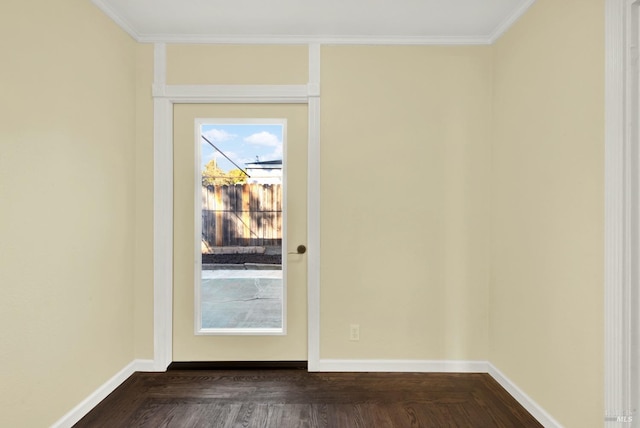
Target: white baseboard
x=525 y=401
x=148 y=366
x=84 y=407
x=434 y=366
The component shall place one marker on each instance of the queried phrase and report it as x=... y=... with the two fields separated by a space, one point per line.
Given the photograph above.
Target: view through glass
x=240 y=287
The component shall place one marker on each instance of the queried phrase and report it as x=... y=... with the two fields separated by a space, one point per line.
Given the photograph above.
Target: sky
x=242 y=143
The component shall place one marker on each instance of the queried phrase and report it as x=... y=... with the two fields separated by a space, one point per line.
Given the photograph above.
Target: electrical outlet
x=354 y=332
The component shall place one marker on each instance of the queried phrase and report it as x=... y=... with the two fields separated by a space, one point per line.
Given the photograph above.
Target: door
x=203 y=328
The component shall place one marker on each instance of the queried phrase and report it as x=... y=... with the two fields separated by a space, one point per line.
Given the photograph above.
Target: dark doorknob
x=300 y=250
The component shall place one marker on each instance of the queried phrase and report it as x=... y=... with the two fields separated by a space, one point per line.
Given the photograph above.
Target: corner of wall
x=86 y=405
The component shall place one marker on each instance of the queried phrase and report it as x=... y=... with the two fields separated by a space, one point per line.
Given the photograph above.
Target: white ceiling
x=302 y=21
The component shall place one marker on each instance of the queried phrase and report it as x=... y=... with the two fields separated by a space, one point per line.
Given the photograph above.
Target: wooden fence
x=242 y=215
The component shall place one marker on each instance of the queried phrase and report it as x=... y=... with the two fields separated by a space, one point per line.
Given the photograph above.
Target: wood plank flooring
x=295 y=398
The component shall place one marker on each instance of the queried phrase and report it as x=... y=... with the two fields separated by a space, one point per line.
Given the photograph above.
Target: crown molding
x=305 y=40
x=510 y=20
x=270 y=39
x=122 y=23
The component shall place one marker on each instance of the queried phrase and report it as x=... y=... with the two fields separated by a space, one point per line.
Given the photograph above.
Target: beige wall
x=418 y=286
x=405 y=184
x=237 y=65
x=67 y=133
x=546 y=311
x=405 y=155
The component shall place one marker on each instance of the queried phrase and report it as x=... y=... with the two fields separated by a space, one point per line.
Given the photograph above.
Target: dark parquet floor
x=295 y=398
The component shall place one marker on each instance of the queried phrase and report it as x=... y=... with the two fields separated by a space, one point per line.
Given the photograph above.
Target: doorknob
x=300 y=250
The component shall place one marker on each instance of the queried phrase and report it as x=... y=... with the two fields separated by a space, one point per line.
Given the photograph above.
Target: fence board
x=246 y=212
x=242 y=214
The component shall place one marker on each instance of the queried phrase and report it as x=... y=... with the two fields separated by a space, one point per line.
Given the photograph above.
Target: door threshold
x=238 y=365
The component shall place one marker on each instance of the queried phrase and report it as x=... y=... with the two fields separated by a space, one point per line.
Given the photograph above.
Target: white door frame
x=165 y=96
x=622 y=217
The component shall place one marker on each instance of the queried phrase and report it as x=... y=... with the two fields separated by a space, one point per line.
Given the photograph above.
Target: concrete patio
x=244 y=299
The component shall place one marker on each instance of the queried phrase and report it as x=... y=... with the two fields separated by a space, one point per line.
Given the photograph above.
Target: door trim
x=165 y=96
x=621 y=291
